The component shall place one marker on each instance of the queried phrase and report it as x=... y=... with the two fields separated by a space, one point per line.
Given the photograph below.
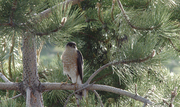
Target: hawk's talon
x=63 y=83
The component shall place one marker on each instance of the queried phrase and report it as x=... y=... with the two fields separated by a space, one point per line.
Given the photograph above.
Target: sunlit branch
x=60 y=86
x=4 y=78
x=129 y=22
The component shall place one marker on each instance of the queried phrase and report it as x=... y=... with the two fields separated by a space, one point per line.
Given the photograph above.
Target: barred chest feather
x=69 y=58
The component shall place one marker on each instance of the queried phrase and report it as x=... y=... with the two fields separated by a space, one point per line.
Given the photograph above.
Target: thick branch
x=9 y=86
x=61 y=86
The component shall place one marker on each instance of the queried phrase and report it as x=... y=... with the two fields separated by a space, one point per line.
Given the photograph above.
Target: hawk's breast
x=69 y=58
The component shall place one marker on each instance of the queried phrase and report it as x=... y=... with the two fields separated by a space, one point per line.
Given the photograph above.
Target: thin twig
x=99 y=11
x=129 y=22
x=173 y=45
x=55 y=30
x=165 y=102
x=118 y=62
x=10 y=56
x=14 y=93
x=47 y=12
x=76 y=92
x=98 y=97
x=173 y=95
x=136 y=89
x=103 y=76
x=112 y=9
x=14 y=97
x=145 y=104
x=4 y=78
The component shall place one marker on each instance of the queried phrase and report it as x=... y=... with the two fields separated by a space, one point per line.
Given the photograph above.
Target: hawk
x=73 y=65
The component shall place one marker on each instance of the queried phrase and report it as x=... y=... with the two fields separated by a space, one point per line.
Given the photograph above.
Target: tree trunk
x=30 y=74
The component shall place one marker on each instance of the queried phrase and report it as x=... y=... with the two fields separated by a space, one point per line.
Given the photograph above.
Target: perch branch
x=98 y=97
x=129 y=22
x=116 y=63
x=60 y=86
x=4 y=78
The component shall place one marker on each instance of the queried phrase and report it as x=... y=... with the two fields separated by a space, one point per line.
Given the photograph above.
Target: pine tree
x=130 y=38
x=128 y=30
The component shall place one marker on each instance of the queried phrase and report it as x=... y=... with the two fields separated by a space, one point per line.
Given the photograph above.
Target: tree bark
x=30 y=74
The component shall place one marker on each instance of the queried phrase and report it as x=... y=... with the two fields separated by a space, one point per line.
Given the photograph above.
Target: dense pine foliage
x=145 y=33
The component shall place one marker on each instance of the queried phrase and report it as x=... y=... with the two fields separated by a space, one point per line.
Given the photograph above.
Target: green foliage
x=102 y=36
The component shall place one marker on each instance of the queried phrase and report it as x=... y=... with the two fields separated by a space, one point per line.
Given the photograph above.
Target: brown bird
x=73 y=66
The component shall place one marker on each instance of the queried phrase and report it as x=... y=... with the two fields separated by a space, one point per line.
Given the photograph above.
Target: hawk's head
x=71 y=44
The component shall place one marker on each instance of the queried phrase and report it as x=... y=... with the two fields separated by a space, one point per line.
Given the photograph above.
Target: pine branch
x=173 y=95
x=10 y=56
x=4 y=78
x=97 y=95
x=14 y=97
x=173 y=45
x=99 y=11
x=9 y=86
x=55 y=30
x=13 y=9
x=61 y=86
x=129 y=22
x=75 y=92
x=103 y=76
x=47 y=12
x=112 y=9
x=119 y=62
